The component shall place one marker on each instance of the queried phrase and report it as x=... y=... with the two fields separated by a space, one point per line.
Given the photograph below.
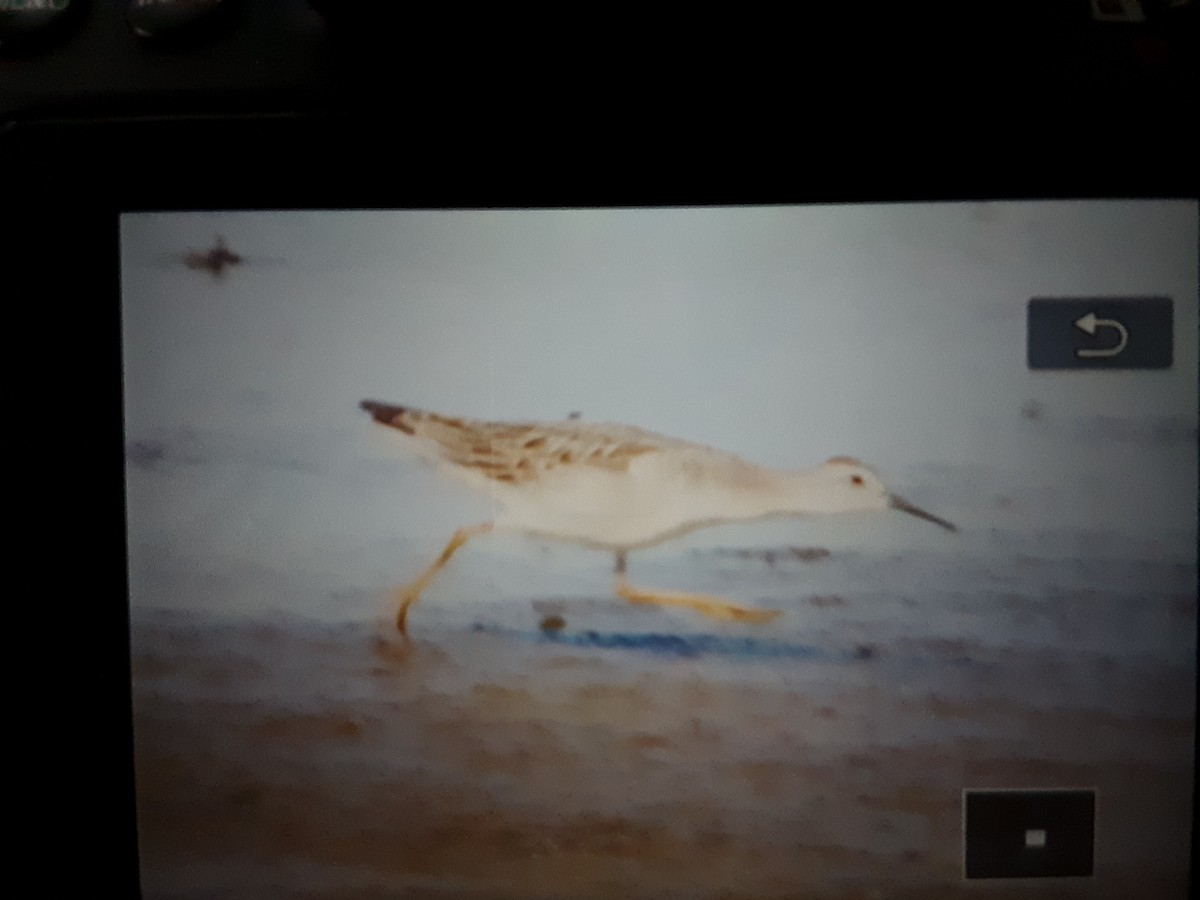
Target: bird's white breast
x=659 y=496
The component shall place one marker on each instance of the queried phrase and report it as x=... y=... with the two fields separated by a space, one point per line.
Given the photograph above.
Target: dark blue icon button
x=1029 y=834
x=1100 y=333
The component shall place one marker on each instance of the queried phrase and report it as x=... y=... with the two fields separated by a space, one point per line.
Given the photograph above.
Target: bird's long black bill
x=904 y=506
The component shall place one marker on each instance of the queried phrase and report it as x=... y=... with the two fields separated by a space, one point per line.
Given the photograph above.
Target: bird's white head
x=844 y=484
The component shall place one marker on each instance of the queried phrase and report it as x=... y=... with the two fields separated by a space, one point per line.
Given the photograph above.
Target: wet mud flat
x=300 y=759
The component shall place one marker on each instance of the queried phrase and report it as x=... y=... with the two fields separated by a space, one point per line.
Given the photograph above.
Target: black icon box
x=1029 y=834
x=1099 y=333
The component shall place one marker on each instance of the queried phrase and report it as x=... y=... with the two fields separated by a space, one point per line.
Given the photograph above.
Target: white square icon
x=1035 y=837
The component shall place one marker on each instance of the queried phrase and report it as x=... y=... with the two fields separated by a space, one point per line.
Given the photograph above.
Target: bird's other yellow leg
x=412 y=592
x=702 y=603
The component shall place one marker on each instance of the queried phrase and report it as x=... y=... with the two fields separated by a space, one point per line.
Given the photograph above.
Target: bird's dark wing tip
x=387 y=413
x=381 y=411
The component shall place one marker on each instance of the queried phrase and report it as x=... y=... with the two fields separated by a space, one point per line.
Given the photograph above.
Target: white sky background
x=892 y=333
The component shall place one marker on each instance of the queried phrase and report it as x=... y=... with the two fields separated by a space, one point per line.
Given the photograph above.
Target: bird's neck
x=802 y=492
x=776 y=492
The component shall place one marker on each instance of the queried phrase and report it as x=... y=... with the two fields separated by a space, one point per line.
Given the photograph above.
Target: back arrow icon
x=1090 y=323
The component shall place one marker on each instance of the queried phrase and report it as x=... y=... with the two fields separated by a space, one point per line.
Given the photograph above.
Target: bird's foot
x=407 y=597
x=742 y=613
x=701 y=603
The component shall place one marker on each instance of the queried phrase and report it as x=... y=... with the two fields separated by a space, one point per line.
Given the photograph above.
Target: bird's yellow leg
x=412 y=592
x=703 y=603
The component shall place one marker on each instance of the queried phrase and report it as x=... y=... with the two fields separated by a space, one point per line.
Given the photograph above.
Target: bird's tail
x=436 y=437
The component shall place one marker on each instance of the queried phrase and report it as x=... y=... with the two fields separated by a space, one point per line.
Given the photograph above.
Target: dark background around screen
x=1029 y=101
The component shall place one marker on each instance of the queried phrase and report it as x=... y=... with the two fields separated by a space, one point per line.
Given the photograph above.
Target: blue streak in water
x=684 y=646
x=691 y=646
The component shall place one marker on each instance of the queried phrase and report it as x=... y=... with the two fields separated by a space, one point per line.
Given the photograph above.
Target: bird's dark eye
x=856 y=479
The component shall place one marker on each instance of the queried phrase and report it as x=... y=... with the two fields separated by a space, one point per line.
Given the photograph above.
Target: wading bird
x=620 y=488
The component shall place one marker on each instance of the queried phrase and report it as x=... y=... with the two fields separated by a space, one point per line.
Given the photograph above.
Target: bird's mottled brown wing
x=515 y=452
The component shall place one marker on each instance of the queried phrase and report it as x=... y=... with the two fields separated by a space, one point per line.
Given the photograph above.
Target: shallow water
x=543 y=737
x=646 y=752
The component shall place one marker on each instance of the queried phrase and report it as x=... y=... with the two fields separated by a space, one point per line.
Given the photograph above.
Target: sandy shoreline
x=330 y=762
